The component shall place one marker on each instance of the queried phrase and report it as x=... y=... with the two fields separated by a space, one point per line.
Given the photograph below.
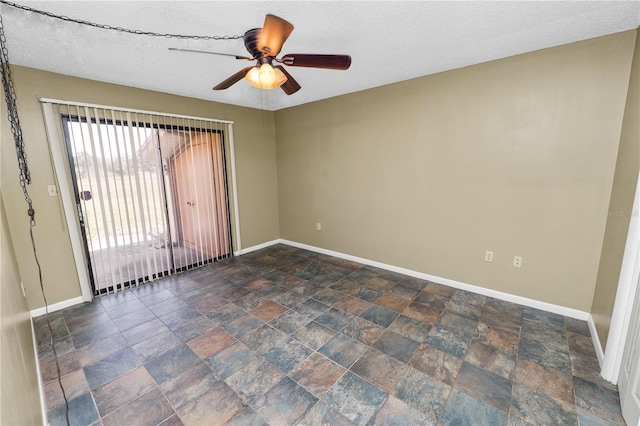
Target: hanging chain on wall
x=119 y=29
x=24 y=177
x=12 y=112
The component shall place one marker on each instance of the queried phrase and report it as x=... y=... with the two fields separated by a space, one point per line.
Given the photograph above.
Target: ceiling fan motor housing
x=251 y=38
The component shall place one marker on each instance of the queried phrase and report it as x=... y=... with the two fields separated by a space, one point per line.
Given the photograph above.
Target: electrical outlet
x=24 y=292
x=517 y=261
x=52 y=190
x=318 y=226
x=488 y=256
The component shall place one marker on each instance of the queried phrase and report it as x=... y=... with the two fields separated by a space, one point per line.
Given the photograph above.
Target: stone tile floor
x=284 y=336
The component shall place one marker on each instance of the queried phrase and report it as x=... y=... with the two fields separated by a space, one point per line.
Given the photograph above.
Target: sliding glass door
x=150 y=192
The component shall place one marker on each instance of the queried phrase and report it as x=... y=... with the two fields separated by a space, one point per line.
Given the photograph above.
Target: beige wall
x=621 y=203
x=516 y=156
x=19 y=394
x=255 y=162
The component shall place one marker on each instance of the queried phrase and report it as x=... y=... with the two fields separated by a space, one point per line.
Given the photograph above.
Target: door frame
x=625 y=296
x=58 y=152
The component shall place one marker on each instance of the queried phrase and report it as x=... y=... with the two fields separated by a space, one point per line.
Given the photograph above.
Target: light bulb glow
x=265 y=77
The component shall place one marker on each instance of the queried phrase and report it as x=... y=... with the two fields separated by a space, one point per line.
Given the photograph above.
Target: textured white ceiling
x=388 y=41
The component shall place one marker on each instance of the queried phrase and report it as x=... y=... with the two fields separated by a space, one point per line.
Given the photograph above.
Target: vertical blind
x=151 y=191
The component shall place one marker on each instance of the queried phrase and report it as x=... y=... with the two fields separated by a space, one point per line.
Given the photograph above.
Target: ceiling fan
x=264 y=45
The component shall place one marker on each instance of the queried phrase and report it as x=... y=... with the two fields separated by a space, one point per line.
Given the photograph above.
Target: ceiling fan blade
x=275 y=32
x=334 y=62
x=211 y=53
x=233 y=79
x=290 y=86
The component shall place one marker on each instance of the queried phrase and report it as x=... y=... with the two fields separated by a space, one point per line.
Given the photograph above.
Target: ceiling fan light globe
x=265 y=77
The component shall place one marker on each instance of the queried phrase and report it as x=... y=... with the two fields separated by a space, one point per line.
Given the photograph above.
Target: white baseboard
x=596 y=339
x=256 y=247
x=57 y=306
x=549 y=307
x=43 y=400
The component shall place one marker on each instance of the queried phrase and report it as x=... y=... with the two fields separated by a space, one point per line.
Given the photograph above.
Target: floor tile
x=328 y=296
x=323 y=414
x=422 y=313
x=122 y=390
x=317 y=374
x=150 y=408
x=544 y=379
x=413 y=386
x=496 y=338
x=268 y=311
x=404 y=292
x=370 y=294
x=311 y=308
x=92 y=334
x=394 y=303
x=107 y=369
x=254 y=379
x=352 y=305
x=379 y=369
x=448 y=341
x=581 y=344
x=396 y=346
x=537 y=408
x=347 y=287
x=82 y=411
x=144 y=331
x=285 y=403
x=225 y=314
x=74 y=384
x=288 y=354
x=230 y=359
x=343 y=350
x=414 y=283
x=246 y=416
x=411 y=328
x=432 y=300
x=492 y=360
x=437 y=364
x=379 y=283
x=177 y=318
x=500 y=320
x=440 y=289
x=289 y=322
x=355 y=398
x=589 y=419
x=597 y=400
x=210 y=342
x=544 y=318
x=379 y=315
x=487 y=387
x=463 y=409
x=314 y=335
x=463 y=309
x=194 y=327
x=67 y=363
x=101 y=349
x=263 y=338
x=335 y=319
x=588 y=369
x=470 y=298
x=168 y=364
x=577 y=326
x=363 y=331
x=156 y=345
x=395 y=412
x=456 y=351
x=242 y=325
